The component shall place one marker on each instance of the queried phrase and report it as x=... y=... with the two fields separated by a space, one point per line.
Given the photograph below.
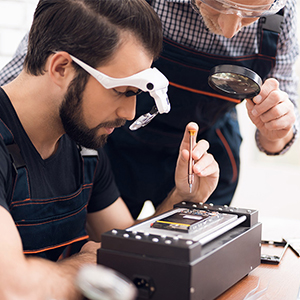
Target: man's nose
x=127 y=108
x=229 y=24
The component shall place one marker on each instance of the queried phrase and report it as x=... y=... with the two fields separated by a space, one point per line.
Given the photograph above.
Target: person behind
x=54 y=192
x=199 y=35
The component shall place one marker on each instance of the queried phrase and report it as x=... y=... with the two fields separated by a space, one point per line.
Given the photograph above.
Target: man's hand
x=273 y=114
x=91 y=248
x=205 y=169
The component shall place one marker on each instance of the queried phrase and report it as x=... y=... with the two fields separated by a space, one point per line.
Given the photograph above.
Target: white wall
x=15 y=20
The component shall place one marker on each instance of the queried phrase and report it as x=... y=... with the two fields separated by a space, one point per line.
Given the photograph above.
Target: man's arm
x=273 y=114
x=116 y=215
x=276 y=109
x=35 y=278
x=206 y=176
x=205 y=169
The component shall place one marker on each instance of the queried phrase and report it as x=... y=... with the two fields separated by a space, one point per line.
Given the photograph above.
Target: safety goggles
x=150 y=80
x=242 y=10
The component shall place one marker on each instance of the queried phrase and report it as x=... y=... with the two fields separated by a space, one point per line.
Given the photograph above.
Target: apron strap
x=270 y=32
x=12 y=147
x=18 y=163
x=5 y=133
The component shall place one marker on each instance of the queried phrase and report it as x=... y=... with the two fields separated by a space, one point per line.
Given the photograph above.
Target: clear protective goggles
x=150 y=80
x=242 y=10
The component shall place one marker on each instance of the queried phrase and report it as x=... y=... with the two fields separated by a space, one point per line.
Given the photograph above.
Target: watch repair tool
x=192 y=133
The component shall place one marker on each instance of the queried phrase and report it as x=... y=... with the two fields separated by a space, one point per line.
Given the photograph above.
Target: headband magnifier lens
x=150 y=80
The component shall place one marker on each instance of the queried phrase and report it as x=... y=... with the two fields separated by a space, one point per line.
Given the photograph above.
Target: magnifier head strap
x=150 y=80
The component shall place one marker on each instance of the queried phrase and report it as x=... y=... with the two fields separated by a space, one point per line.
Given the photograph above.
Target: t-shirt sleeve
x=105 y=190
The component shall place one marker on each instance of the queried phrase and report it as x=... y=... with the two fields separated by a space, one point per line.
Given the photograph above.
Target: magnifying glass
x=235 y=81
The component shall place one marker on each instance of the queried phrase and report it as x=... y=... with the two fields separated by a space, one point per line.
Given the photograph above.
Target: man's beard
x=73 y=122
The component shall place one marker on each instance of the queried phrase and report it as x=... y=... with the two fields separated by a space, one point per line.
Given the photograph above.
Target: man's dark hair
x=90 y=30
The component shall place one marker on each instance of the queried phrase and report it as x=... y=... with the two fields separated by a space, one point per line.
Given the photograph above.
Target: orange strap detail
x=230 y=154
x=55 y=247
x=204 y=93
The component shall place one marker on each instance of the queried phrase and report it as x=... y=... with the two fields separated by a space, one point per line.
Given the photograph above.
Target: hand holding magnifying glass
x=273 y=114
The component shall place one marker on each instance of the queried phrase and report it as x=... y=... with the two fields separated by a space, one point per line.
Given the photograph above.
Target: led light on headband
x=243 y=10
x=150 y=80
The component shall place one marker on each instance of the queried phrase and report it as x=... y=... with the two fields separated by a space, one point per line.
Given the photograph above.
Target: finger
x=249 y=104
x=268 y=86
x=280 y=111
x=284 y=122
x=273 y=99
x=206 y=165
x=268 y=97
x=211 y=171
x=200 y=149
x=186 y=137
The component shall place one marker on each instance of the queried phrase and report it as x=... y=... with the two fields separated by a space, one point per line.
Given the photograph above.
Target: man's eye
x=132 y=93
x=128 y=93
x=118 y=93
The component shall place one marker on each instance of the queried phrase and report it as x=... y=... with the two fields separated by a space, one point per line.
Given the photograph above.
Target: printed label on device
x=184 y=221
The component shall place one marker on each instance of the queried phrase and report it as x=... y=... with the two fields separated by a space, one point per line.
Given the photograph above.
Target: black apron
x=144 y=161
x=51 y=228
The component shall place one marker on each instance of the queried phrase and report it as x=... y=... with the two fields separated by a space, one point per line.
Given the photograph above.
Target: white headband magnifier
x=150 y=80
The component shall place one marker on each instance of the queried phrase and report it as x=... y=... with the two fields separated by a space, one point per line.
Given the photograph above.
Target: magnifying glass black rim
x=239 y=70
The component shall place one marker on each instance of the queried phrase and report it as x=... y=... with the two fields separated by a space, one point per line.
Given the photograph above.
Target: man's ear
x=60 y=69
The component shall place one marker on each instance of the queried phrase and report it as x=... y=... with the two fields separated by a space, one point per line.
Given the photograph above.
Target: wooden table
x=282 y=281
